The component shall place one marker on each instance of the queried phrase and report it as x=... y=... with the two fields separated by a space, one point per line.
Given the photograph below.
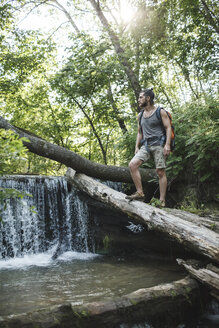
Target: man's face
x=142 y=100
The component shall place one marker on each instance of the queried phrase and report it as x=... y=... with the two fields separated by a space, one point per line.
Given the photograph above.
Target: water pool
x=35 y=281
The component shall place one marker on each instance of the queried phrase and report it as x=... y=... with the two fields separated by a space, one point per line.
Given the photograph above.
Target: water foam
x=43 y=259
x=25 y=261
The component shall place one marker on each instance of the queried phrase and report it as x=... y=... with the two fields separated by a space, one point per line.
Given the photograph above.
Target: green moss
x=173 y=293
x=133 y=302
x=213 y=226
x=106 y=243
x=84 y=313
x=76 y=314
x=188 y=290
x=79 y=318
x=155 y=202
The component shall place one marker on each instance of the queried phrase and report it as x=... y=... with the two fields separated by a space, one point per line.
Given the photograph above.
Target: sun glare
x=127 y=11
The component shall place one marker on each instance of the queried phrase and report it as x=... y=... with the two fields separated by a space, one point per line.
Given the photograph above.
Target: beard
x=144 y=104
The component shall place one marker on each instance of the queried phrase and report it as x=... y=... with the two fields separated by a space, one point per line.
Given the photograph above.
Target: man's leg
x=162 y=184
x=136 y=177
x=141 y=156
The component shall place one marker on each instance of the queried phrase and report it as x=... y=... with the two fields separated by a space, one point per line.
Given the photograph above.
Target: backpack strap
x=158 y=114
x=140 y=117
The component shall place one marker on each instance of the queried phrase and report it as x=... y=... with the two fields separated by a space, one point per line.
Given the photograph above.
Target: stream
x=30 y=231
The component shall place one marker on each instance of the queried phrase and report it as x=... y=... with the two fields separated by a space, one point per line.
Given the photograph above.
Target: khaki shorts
x=156 y=152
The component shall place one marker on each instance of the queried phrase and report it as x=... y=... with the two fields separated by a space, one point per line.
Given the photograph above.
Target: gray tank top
x=151 y=127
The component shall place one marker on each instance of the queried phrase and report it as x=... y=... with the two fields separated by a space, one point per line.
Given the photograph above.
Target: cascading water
x=48 y=214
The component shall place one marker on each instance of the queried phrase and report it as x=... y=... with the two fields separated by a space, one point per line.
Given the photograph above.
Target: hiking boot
x=161 y=204
x=135 y=196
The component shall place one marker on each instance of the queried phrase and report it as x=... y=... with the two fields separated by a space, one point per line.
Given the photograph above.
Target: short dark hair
x=150 y=93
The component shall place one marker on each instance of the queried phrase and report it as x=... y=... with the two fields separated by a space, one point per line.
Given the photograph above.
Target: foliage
x=197 y=132
x=7 y=193
x=12 y=156
x=27 y=59
x=156 y=202
x=191 y=205
x=126 y=145
x=84 y=83
x=176 y=49
x=12 y=152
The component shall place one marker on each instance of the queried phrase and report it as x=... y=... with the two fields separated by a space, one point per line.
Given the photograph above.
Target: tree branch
x=209 y=17
x=68 y=16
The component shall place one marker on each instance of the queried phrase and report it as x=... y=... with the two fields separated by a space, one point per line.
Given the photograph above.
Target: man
x=149 y=143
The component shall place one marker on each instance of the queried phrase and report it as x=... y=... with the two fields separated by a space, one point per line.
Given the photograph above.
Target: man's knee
x=161 y=173
x=134 y=165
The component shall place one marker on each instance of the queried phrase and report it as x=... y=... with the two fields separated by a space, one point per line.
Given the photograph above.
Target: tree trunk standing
x=120 y=120
x=70 y=159
x=190 y=235
x=103 y=151
x=186 y=75
x=119 y=50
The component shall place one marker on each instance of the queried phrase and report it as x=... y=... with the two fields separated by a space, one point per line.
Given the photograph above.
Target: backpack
x=158 y=114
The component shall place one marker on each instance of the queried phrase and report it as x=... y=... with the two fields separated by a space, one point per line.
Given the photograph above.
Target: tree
x=85 y=82
x=71 y=159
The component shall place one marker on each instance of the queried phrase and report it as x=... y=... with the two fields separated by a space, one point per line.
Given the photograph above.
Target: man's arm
x=139 y=136
x=167 y=126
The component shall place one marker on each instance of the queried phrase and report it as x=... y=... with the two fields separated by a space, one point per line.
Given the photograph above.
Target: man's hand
x=136 y=150
x=166 y=150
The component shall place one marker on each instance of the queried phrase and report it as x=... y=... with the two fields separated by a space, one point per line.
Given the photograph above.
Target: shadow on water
x=210 y=319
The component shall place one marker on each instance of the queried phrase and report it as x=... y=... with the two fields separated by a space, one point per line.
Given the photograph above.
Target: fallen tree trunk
x=211 y=223
x=192 y=236
x=59 y=154
x=209 y=275
x=167 y=303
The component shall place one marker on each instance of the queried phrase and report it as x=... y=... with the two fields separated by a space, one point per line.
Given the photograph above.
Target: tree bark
x=116 y=111
x=190 y=235
x=59 y=154
x=210 y=223
x=208 y=276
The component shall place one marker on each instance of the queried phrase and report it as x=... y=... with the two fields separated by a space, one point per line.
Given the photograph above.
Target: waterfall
x=49 y=213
